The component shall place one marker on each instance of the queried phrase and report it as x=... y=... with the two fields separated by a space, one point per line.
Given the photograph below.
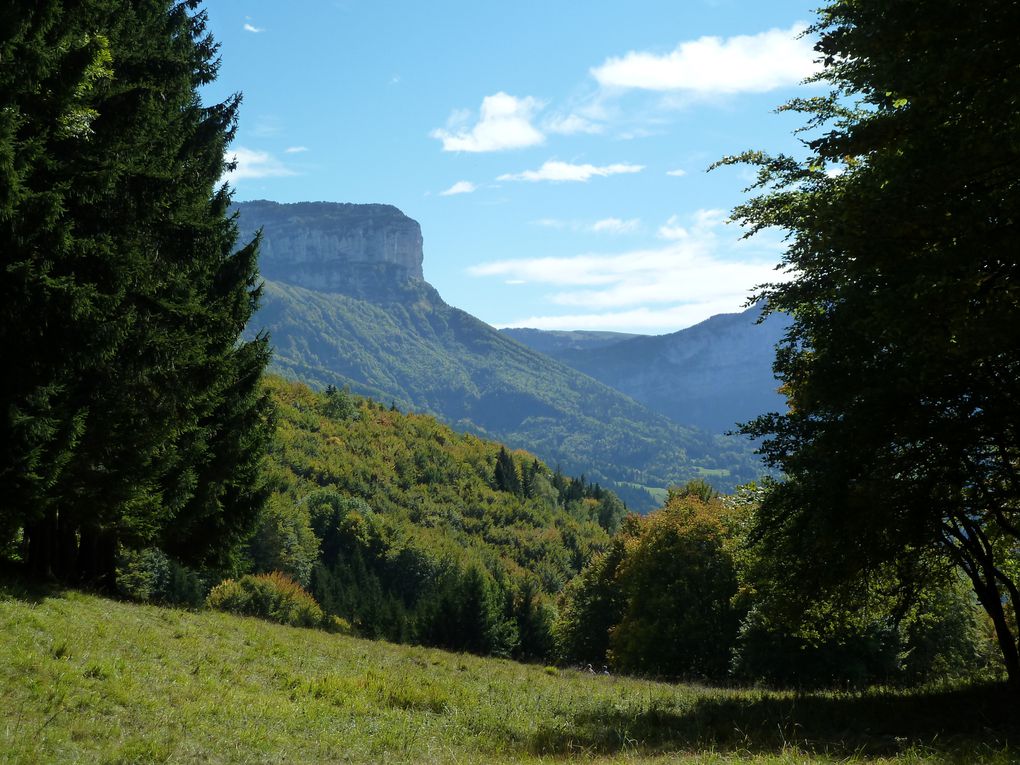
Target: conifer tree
x=130 y=412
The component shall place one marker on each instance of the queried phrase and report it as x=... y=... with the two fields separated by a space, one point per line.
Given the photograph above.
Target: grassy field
x=84 y=679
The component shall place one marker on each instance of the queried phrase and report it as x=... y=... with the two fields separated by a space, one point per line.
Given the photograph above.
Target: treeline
x=687 y=592
x=402 y=529
x=409 y=531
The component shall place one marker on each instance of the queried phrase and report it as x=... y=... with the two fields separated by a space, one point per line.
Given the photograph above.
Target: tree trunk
x=97 y=559
x=42 y=544
x=66 y=544
x=988 y=594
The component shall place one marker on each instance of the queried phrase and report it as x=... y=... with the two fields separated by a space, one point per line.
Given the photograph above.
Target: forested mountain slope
x=388 y=334
x=412 y=531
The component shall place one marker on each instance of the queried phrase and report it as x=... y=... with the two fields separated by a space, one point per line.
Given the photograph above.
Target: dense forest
x=144 y=451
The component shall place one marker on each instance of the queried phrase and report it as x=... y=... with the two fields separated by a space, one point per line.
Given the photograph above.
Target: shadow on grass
x=960 y=722
x=14 y=585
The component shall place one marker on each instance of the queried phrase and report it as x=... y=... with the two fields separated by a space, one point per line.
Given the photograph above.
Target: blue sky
x=554 y=153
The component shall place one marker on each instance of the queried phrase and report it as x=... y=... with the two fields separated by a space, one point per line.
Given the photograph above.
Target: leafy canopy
x=902 y=366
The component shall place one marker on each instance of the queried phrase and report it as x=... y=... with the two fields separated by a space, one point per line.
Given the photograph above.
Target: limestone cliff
x=368 y=251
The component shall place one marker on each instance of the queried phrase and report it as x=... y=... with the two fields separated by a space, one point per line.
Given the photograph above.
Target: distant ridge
x=712 y=375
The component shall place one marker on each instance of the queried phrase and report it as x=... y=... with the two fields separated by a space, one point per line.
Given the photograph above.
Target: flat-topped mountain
x=349 y=308
x=359 y=250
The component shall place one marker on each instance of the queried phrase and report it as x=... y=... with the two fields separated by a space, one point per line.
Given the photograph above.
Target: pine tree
x=131 y=413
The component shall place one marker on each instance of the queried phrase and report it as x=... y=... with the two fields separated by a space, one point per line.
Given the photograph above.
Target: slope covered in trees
x=412 y=531
x=425 y=356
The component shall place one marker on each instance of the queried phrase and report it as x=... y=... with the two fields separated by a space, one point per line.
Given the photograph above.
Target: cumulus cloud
x=249 y=27
x=504 y=122
x=716 y=65
x=554 y=170
x=295 y=149
x=678 y=173
x=460 y=187
x=704 y=270
x=254 y=164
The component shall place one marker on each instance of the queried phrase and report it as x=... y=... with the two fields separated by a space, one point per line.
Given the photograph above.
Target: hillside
x=395 y=522
x=392 y=337
x=85 y=679
x=712 y=375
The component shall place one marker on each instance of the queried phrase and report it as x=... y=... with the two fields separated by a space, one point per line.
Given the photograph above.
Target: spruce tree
x=131 y=413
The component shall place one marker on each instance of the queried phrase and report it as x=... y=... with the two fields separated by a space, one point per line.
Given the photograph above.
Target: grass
x=85 y=679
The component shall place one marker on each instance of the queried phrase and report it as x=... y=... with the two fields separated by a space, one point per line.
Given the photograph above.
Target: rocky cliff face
x=366 y=251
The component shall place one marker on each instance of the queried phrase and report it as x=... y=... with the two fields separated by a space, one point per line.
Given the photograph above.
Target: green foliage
x=659 y=601
x=591 y=605
x=418 y=533
x=132 y=415
x=149 y=575
x=676 y=581
x=284 y=541
x=864 y=632
x=902 y=365
x=273 y=596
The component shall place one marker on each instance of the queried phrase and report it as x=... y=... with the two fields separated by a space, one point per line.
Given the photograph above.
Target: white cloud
x=564 y=171
x=572 y=124
x=460 y=187
x=672 y=229
x=642 y=320
x=706 y=270
x=504 y=123
x=254 y=164
x=615 y=225
x=552 y=223
x=713 y=65
x=604 y=226
x=248 y=27
x=678 y=173
x=295 y=149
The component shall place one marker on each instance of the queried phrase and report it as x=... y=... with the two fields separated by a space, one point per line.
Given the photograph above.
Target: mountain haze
x=712 y=375
x=351 y=309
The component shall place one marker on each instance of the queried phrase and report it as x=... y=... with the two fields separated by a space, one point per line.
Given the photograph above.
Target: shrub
x=150 y=575
x=272 y=596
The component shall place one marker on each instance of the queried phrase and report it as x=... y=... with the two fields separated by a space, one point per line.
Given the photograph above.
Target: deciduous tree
x=902 y=367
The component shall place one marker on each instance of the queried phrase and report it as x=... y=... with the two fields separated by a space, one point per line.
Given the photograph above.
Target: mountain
x=555 y=342
x=345 y=304
x=712 y=375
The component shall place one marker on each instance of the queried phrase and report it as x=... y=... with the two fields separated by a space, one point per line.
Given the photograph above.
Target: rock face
x=366 y=251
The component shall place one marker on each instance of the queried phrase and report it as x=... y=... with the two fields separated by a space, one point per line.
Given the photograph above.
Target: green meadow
x=87 y=679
